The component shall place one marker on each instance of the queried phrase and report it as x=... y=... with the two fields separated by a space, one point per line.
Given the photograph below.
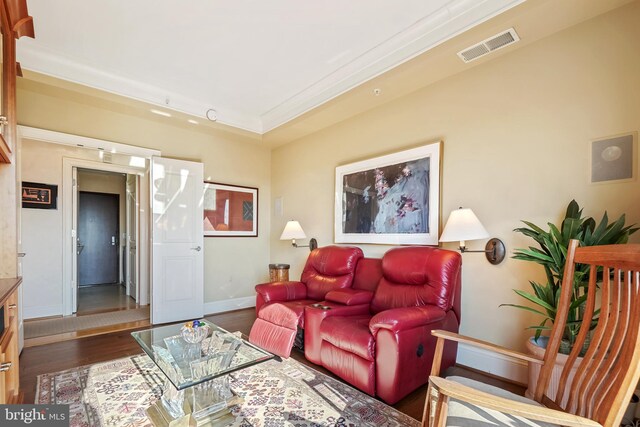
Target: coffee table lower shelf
x=203 y=405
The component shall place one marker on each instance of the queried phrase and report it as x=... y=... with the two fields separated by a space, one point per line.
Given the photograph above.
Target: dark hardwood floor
x=59 y=356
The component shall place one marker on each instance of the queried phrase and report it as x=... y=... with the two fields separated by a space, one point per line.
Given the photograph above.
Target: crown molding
x=430 y=31
x=48 y=62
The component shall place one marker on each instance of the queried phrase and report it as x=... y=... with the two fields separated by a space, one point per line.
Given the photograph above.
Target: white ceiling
x=258 y=63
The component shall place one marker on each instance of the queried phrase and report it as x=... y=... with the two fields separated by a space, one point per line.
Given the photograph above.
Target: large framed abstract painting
x=230 y=210
x=392 y=199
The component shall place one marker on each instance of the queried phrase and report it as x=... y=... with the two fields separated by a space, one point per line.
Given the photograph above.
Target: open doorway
x=105 y=242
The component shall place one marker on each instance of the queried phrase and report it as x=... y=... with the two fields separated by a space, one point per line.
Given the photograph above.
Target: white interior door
x=131 y=249
x=177 y=282
x=76 y=244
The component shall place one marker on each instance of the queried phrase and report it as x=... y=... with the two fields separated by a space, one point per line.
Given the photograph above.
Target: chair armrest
x=452 y=336
x=534 y=412
x=282 y=291
x=399 y=319
x=349 y=296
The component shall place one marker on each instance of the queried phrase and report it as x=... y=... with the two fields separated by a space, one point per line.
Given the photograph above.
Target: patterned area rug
x=275 y=393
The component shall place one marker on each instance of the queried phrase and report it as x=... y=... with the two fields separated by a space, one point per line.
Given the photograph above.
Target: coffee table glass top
x=187 y=364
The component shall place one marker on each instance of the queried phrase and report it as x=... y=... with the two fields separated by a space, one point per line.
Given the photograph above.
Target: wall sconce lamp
x=293 y=231
x=463 y=225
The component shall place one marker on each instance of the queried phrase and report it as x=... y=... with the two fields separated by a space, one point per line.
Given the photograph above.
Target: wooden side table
x=278 y=272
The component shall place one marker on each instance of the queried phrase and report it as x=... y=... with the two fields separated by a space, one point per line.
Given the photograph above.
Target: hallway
x=103 y=298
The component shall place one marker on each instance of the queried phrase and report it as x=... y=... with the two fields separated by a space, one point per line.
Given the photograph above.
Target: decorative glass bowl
x=194 y=332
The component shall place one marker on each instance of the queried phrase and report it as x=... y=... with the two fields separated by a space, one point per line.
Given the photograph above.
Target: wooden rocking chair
x=600 y=390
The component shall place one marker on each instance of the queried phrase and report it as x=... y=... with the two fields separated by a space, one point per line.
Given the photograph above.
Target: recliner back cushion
x=416 y=276
x=329 y=268
x=368 y=274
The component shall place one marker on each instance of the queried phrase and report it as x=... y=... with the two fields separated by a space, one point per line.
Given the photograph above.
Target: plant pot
x=537 y=349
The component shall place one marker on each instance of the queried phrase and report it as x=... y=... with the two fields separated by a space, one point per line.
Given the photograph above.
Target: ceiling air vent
x=489 y=45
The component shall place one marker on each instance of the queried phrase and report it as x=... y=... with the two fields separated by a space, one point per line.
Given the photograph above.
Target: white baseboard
x=229 y=305
x=496 y=364
x=42 y=311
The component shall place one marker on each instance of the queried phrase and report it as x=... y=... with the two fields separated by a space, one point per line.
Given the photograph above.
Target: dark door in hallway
x=98 y=219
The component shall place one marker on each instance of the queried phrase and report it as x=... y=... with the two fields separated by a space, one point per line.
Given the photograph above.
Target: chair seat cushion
x=289 y=314
x=351 y=334
x=463 y=414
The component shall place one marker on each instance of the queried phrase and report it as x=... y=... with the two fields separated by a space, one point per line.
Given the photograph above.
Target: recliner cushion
x=351 y=334
x=329 y=268
x=416 y=276
x=289 y=314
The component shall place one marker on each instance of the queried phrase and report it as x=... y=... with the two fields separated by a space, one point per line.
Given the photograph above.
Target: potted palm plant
x=551 y=255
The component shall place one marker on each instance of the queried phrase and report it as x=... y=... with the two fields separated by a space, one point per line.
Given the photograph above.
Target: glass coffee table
x=196 y=384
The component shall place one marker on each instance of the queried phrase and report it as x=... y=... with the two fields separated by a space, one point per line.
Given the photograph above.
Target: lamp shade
x=463 y=225
x=292 y=230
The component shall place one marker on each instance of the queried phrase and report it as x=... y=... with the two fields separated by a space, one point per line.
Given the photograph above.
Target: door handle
x=197 y=248
x=21 y=254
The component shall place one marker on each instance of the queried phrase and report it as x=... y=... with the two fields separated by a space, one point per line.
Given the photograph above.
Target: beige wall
x=232 y=265
x=516 y=135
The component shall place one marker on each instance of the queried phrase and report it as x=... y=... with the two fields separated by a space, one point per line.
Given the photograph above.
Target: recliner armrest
x=282 y=291
x=399 y=319
x=349 y=296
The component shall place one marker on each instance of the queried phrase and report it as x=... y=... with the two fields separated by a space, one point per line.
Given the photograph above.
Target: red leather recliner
x=280 y=305
x=388 y=349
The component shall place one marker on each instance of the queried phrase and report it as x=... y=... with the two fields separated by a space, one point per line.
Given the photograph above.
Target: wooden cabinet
x=15 y=22
x=9 y=352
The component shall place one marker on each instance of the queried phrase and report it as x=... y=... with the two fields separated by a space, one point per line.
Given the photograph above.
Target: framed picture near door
x=39 y=196
x=230 y=210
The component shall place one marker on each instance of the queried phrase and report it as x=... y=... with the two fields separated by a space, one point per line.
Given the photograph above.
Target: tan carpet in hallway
x=41 y=328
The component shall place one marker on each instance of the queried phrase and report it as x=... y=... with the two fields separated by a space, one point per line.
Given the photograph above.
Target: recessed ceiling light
x=193 y=122
x=160 y=113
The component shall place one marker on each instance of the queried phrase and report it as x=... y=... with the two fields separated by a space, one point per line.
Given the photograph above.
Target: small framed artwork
x=613 y=159
x=392 y=199
x=230 y=210
x=39 y=196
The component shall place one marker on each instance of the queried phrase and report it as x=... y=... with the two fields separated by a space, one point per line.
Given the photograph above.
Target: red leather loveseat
x=374 y=328
x=280 y=305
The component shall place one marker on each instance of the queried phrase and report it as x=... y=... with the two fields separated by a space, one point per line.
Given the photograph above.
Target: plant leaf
x=536 y=301
x=524 y=307
x=573 y=210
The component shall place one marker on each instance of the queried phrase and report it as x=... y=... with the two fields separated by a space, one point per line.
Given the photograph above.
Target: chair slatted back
x=605 y=377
